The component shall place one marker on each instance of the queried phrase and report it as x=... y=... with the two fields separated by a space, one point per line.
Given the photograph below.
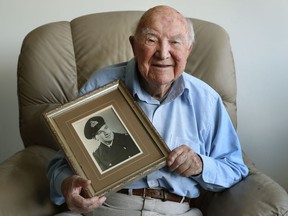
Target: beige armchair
x=56 y=60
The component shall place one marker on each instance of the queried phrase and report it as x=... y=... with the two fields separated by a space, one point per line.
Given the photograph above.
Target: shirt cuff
x=60 y=178
x=207 y=179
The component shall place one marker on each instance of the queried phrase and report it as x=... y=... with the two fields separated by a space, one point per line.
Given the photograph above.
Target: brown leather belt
x=161 y=194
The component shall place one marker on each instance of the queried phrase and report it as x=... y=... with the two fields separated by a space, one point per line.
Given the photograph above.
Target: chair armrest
x=256 y=195
x=23 y=183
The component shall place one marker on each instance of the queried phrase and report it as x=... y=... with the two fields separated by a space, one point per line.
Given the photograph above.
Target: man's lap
x=126 y=205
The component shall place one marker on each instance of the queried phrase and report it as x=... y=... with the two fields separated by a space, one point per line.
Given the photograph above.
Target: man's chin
x=109 y=139
x=164 y=82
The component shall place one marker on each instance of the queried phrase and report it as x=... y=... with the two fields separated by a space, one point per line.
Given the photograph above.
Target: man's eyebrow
x=178 y=37
x=147 y=31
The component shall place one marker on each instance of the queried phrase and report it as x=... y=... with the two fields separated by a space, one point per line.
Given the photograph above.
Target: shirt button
x=153 y=183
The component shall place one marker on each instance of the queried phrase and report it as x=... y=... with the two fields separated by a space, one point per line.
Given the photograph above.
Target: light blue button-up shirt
x=193 y=114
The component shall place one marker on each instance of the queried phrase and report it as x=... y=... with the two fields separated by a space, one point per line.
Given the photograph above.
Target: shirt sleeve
x=58 y=171
x=223 y=165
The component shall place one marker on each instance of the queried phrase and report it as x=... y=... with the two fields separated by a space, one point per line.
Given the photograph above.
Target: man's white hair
x=191 y=33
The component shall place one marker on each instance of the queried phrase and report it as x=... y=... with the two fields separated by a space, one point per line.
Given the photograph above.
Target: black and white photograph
x=106 y=139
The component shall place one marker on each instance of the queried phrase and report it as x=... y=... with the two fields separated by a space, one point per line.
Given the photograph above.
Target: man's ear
x=96 y=137
x=190 y=49
x=132 y=43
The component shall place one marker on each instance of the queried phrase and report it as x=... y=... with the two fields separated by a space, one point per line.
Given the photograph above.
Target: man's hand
x=184 y=161
x=71 y=189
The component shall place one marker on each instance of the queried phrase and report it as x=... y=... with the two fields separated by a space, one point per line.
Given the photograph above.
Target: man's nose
x=163 y=50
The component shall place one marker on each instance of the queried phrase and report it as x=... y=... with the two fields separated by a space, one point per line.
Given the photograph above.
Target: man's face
x=161 y=48
x=104 y=134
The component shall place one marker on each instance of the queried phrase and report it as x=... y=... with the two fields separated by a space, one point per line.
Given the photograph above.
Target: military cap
x=92 y=126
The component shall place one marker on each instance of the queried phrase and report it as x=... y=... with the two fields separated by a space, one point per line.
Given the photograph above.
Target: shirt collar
x=132 y=82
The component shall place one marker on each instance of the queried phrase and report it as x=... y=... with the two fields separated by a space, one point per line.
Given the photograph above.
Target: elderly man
x=187 y=113
x=114 y=147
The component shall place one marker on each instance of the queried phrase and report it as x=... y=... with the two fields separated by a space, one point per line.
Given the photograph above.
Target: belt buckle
x=165 y=195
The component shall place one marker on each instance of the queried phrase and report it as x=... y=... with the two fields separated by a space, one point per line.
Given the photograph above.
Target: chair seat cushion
x=23 y=183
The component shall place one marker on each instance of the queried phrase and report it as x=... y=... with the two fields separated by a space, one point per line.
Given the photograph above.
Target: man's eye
x=151 y=41
x=175 y=42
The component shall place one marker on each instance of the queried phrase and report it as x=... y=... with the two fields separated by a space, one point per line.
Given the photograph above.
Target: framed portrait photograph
x=106 y=138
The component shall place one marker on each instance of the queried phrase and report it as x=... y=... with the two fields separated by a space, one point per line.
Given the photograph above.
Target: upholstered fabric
x=56 y=59
x=23 y=183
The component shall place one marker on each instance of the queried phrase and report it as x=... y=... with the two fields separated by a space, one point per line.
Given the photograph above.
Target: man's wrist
x=60 y=179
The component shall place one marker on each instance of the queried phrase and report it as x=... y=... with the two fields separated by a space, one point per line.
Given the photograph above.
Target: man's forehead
x=172 y=35
x=158 y=21
x=166 y=13
x=102 y=128
x=163 y=21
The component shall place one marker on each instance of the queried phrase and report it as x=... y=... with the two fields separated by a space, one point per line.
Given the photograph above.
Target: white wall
x=259 y=35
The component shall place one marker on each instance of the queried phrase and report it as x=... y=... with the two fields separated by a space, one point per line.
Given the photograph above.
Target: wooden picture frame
x=114 y=104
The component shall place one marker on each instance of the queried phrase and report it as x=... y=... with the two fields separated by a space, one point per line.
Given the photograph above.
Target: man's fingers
x=178 y=161
x=83 y=205
x=174 y=155
x=71 y=189
x=184 y=161
x=81 y=182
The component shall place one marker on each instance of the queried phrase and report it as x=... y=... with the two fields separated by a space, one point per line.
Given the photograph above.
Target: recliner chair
x=56 y=59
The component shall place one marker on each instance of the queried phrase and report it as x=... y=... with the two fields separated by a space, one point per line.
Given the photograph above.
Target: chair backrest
x=56 y=59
